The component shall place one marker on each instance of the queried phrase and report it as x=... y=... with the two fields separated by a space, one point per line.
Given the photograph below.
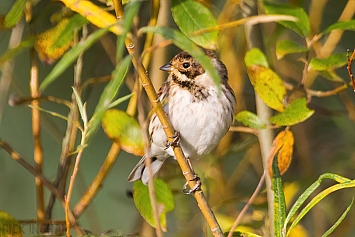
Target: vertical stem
x=77 y=75
x=36 y=130
x=255 y=40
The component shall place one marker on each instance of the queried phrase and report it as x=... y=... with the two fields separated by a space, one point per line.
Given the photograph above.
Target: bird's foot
x=175 y=141
x=185 y=188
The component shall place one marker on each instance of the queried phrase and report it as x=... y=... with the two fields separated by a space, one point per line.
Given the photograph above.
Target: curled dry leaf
x=282 y=148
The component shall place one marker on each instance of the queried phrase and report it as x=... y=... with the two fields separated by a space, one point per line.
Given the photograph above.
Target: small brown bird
x=196 y=109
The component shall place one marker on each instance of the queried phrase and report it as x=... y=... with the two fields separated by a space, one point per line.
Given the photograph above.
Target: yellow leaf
x=9 y=226
x=94 y=14
x=282 y=146
x=268 y=85
x=45 y=41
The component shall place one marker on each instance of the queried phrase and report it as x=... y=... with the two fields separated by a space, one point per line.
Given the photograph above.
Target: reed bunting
x=198 y=112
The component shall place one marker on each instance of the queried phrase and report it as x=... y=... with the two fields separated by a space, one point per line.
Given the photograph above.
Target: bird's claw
x=185 y=188
x=175 y=141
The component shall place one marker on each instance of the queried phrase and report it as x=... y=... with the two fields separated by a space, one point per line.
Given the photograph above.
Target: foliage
x=302 y=82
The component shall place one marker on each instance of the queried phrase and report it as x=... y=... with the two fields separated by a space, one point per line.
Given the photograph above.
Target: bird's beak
x=167 y=67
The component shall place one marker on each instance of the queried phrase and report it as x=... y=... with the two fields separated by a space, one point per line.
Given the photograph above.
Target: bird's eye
x=186 y=65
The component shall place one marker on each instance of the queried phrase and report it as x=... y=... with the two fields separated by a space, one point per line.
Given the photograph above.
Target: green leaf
x=268 y=85
x=13 y=52
x=164 y=198
x=192 y=16
x=71 y=56
x=336 y=224
x=66 y=35
x=181 y=41
x=301 y=27
x=295 y=113
x=304 y=196
x=255 y=57
x=331 y=62
x=279 y=199
x=286 y=47
x=250 y=119
x=9 y=226
x=341 y=25
x=108 y=95
x=15 y=14
x=124 y=130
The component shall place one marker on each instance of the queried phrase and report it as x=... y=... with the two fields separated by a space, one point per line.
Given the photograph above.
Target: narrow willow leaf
x=108 y=95
x=81 y=106
x=55 y=114
x=13 y=52
x=242 y=234
x=282 y=148
x=70 y=57
x=331 y=62
x=341 y=25
x=9 y=226
x=15 y=14
x=255 y=57
x=124 y=130
x=319 y=197
x=120 y=100
x=66 y=36
x=279 y=200
x=181 y=41
x=331 y=75
x=286 y=47
x=164 y=198
x=336 y=224
x=44 y=43
x=301 y=27
x=192 y=16
x=250 y=119
x=268 y=85
x=304 y=196
x=295 y=113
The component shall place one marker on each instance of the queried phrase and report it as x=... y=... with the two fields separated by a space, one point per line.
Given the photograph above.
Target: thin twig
x=98 y=180
x=320 y=94
x=15 y=100
x=245 y=208
x=351 y=75
x=244 y=129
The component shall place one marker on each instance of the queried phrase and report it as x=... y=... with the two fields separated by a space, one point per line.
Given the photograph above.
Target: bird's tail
x=140 y=171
